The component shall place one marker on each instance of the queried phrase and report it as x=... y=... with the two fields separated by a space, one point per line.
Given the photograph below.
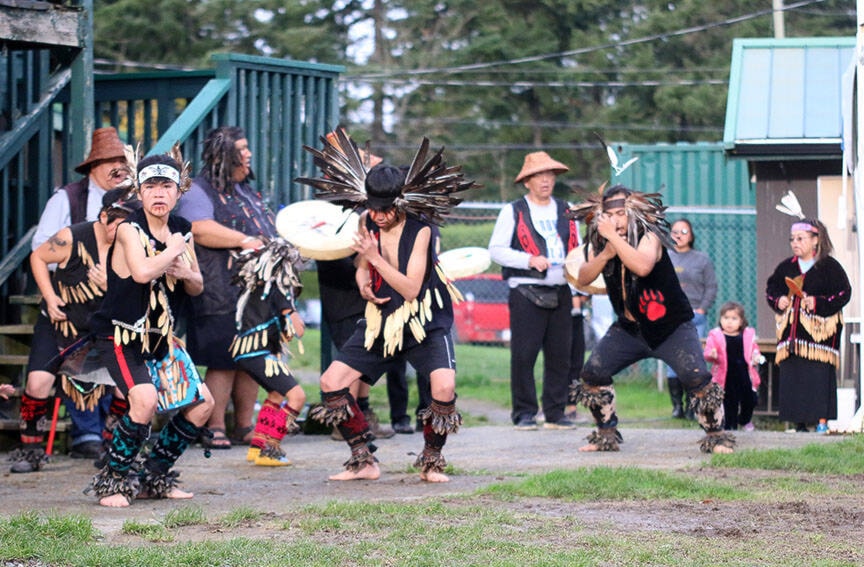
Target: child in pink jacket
x=732 y=349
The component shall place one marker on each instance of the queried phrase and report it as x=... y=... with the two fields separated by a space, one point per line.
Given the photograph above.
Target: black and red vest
x=527 y=239
x=656 y=301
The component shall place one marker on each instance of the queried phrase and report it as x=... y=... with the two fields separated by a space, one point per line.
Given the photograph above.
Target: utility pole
x=779 y=23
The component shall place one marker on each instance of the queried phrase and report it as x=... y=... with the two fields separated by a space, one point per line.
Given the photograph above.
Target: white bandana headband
x=158 y=170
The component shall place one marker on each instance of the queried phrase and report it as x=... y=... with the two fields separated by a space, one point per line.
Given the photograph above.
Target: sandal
x=242 y=435
x=216 y=440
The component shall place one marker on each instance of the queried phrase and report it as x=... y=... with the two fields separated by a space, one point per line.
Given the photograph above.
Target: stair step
x=25 y=299
x=19 y=329
x=8 y=424
x=14 y=359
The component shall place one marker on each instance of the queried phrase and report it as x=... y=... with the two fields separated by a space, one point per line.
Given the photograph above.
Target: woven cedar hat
x=537 y=162
x=106 y=145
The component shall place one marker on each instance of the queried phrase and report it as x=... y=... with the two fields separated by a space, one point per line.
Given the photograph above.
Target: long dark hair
x=220 y=157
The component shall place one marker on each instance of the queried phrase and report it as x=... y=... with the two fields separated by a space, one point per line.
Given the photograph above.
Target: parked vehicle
x=484 y=316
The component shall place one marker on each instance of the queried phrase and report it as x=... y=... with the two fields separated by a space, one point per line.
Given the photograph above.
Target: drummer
x=227 y=214
x=530 y=240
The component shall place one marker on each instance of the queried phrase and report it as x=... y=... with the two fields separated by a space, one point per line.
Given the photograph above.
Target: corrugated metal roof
x=785 y=96
x=687 y=175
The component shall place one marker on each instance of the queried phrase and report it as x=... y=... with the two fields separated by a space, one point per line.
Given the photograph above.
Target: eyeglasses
x=800 y=238
x=682 y=231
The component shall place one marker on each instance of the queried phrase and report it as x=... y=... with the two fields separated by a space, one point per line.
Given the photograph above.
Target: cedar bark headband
x=158 y=170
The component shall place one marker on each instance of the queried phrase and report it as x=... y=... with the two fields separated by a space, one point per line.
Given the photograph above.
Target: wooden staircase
x=15 y=340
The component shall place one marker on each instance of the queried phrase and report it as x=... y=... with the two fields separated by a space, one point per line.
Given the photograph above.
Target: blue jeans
x=87 y=425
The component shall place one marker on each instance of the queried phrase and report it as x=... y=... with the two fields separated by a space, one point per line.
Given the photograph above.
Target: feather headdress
x=645 y=211
x=133 y=156
x=430 y=191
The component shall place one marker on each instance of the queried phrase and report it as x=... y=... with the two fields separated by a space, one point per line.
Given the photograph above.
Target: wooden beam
x=40 y=23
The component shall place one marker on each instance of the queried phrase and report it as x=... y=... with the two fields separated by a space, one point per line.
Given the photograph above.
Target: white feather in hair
x=789 y=205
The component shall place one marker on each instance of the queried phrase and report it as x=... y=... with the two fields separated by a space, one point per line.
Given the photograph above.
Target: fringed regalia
x=810 y=335
x=82 y=297
x=270 y=284
x=430 y=190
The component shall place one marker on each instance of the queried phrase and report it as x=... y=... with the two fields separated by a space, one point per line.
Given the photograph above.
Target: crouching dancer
x=408 y=312
x=627 y=236
x=150 y=270
x=266 y=321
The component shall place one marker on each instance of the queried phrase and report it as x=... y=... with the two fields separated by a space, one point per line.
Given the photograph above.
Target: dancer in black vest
x=628 y=235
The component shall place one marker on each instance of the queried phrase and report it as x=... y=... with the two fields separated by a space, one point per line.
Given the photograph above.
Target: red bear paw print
x=651 y=305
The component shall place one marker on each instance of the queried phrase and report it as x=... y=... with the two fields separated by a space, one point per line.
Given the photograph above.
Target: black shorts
x=125 y=364
x=208 y=340
x=435 y=352
x=43 y=347
x=256 y=367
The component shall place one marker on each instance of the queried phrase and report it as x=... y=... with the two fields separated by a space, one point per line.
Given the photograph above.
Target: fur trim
x=605 y=439
x=331 y=416
x=707 y=405
x=156 y=484
x=430 y=461
x=708 y=398
x=361 y=456
x=575 y=392
x=107 y=483
x=443 y=417
x=714 y=439
x=593 y=396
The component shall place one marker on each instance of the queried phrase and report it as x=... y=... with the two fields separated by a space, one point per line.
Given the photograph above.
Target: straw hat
x=106 y=145
x=537 y=162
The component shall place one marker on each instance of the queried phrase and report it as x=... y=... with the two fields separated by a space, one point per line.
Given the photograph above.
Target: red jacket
x=715 y=352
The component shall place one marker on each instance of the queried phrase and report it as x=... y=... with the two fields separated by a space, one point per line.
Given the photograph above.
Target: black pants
x=397 y=394
x=534 y=328
x=739 y=400
x=618 y=349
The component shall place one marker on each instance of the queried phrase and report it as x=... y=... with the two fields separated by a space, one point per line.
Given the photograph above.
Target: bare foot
x=177 y=494
x=174 y=494
x=114 y=501
x=722 y=449
x=589 y=448
x=369 y=472
x=433 y=476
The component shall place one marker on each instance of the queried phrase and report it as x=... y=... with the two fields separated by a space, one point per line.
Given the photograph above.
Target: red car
x=483 y=317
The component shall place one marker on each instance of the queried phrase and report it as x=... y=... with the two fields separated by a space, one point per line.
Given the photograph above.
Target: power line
x=584 y=50
x=550 y=84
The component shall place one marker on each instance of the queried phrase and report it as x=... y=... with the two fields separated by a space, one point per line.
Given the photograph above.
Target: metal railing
x=281 y=104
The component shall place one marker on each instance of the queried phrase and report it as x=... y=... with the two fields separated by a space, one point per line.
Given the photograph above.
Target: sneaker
x=29 y=458
x=403 y=426
x=86 y=450
x=562 y=423
x=750 y=427
x=526 y=424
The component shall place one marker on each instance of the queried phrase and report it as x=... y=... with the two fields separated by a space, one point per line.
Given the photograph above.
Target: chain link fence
x=726 y=235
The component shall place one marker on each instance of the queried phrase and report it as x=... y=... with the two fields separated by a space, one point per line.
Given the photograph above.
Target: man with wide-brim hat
x=104 y=169
x=530 y=241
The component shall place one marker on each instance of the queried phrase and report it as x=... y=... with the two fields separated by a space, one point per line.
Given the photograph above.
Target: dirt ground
x=480 y=456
